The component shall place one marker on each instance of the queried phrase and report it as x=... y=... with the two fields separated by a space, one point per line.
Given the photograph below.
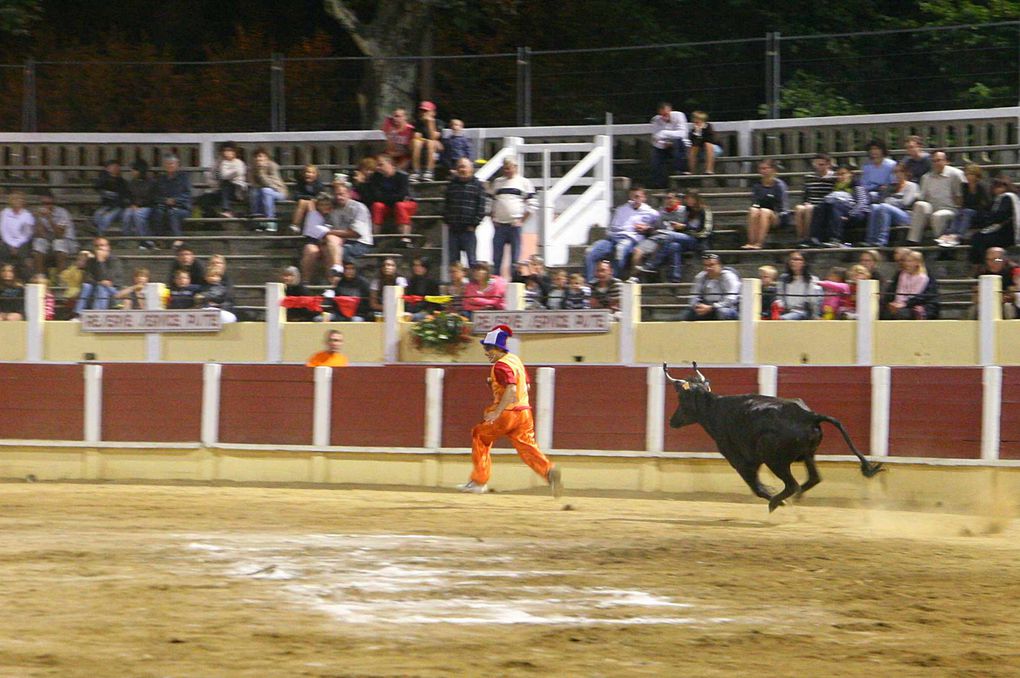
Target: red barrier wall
x=725 y=381
x=935 y=412
x=465 y=394
x=266 y=404
x=841 y=392
x=378 y=406
x=42 y=402
x=1009 y=421
x=600 y=408
x=152 y=402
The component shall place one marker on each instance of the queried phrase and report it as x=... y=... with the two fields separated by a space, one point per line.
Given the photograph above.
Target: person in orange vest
x=509 y=415
x=331 y=357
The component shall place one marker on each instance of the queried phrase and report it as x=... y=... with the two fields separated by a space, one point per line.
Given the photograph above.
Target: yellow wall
x=237 y=342
x=12 y=340
x=907 y=485
x=812 y=342
x=561 y=348
x=1008 y=337
x=363 y=342
x=926 y=342
x=64 y=341
x=715 y=342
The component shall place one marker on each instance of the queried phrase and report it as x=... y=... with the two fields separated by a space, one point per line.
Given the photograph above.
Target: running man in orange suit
x=509 y=415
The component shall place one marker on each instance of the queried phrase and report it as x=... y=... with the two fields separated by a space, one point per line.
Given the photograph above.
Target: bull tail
x=868 y=468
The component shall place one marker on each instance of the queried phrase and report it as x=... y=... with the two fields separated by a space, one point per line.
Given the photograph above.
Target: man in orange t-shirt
x=331 y=357
x=508 y=415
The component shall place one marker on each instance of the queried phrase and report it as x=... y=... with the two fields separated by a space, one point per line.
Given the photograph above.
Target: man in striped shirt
x=817 y=185
x=513 y=201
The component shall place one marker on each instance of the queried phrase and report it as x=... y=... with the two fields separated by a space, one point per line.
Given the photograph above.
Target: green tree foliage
x=17 y=16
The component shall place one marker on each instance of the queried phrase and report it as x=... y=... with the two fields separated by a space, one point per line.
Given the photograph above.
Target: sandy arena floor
x=131 y=580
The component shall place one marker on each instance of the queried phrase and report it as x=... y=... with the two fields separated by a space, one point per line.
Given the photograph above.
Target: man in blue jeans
x=173 y=199
x=513 y=201
x=630 y=222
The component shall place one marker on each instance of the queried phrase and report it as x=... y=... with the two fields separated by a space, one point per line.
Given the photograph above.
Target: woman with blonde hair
x=912 y=294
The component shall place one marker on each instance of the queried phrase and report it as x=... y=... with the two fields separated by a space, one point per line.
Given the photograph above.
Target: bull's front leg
x=750 y=475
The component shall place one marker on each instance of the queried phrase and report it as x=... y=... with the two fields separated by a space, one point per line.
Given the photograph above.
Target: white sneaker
x=426 y=176
x=473 y=487
x=413 y=177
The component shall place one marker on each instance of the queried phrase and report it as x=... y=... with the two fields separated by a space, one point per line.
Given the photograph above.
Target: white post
x=211 y=373
x=393 y=311
x=514 y=301
x=630 y=316
x=323 y=405
x=750 y=315
x=654 y=418
x=93 y=403
x=276 y=316
x=768 y=380
x=867 y=314
x=991 y=410
x=548 y=204
x=35 y=315
x=514 y=144
x=545 y=387
x=433 y=408
x=881 y=387
x=207 y=154
x=153 y=340
x=604 y=169
x=989 y=310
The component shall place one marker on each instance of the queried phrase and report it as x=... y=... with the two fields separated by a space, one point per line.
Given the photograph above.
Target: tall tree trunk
x=398 y=28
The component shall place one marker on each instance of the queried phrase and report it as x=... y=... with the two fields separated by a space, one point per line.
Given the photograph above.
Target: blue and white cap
x=497 y=337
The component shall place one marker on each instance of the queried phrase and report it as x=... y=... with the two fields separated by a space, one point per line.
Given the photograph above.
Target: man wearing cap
x=427 y=139
x=509 y=415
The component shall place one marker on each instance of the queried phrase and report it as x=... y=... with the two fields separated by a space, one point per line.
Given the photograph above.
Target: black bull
x=751 y=430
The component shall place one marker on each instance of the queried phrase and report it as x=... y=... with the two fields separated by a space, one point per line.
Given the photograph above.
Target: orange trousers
x=519 y=427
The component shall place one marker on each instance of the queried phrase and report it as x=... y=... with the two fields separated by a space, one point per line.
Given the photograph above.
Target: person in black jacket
x=103 y=275
x=912 y=294
x=391 y=194
x=172 y=198
x=350 y=296
x=465 y=208
x=113 y=196
x=420 y=284
x=141 y=197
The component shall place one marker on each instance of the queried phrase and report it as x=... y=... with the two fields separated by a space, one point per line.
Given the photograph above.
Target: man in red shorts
x=508 y=415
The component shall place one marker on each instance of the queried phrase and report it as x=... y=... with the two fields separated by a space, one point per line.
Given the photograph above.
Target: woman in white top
x=798 y=293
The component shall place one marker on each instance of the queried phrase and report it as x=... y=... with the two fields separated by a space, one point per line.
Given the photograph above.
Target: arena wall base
x=909 y=483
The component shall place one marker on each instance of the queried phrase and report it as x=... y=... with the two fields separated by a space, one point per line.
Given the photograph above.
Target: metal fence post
x=277 y=95
x=772 y=76
x=29 y=112
x=524 y=86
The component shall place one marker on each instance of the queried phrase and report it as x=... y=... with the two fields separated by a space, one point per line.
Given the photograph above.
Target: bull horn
x=671 y=379
x=698 y=372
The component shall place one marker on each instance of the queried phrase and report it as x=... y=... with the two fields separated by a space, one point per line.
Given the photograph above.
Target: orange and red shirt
x=509 y=370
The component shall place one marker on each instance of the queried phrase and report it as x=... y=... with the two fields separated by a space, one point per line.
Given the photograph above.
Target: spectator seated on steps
x=631 y=223
x=185 y=260
x=183 y=292
x=172 y=200
x=294 y=289
x=768 y=205
x=12 y=294
x=113 y=196
x=912 y=294
x=54 y=240
x=997 y=263
x=265 y=189
x=716 y=292
x=306 y=192
x=213 y=293
x=103 y=277
x=390 y=193
x=132 y=297
x=349 y=297
x=229 y=177
x=485 y=291
x=386 y=276
x=798 y=293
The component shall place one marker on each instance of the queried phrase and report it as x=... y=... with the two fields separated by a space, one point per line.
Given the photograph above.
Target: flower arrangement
x=442 y=332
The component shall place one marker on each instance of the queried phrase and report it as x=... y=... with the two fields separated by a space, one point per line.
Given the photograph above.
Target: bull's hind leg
x=812 y=472
x=782 y=471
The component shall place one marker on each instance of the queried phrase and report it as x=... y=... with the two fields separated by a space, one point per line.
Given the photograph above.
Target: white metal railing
x=592 y=207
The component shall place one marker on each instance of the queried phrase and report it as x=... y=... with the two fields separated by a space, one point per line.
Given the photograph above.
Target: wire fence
x=932 y=68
